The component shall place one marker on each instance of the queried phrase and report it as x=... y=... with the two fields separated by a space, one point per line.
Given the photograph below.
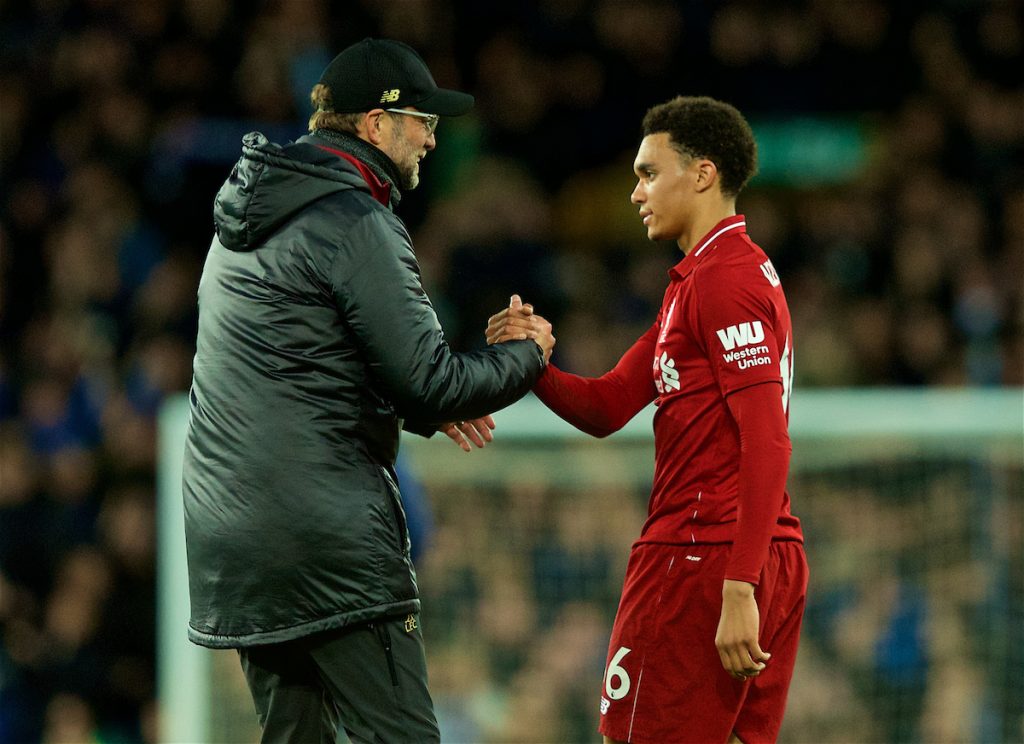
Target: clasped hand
x=516 y=322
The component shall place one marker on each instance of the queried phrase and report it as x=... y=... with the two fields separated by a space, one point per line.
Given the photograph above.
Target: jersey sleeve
x=737 y=323
x=601 y=406
x=765 y=451
x=746 y=338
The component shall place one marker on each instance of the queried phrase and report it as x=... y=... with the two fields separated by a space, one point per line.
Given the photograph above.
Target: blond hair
x=324 y=117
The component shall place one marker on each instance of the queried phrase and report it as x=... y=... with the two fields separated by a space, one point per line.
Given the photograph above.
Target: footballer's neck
x=708 y=213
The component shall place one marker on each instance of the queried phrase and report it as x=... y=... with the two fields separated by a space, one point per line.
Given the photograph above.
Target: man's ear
x=369 y=127
x=707 y=174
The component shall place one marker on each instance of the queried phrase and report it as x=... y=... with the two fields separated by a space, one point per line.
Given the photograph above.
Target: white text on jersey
x=742 y=334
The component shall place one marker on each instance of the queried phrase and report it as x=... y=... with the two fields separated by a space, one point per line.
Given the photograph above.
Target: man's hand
x=512 y=323
x=518 y=322
x=738 y=627
x=478 y=432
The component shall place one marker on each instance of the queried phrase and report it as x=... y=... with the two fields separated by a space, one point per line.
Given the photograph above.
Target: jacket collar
x=383 y=176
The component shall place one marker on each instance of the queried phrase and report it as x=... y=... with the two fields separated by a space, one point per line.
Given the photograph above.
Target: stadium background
x=891 y=201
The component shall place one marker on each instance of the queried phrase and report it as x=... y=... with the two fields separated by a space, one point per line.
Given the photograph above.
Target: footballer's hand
x=736 y=639
x=544 y=337
x=518 y=322
x=477 y=431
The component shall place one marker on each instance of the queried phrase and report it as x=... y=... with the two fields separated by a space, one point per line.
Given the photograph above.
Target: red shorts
x=664 y=680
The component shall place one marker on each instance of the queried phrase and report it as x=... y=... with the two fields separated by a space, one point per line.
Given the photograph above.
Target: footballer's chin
x=653 y=233
x=652 y=229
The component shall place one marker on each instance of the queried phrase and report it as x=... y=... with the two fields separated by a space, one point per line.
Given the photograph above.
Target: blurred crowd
x=910 y=635
x=119 y=119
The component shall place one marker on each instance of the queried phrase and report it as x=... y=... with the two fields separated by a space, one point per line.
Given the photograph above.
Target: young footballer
x=705 y=639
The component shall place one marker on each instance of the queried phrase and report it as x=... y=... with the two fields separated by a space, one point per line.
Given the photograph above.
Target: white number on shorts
x=616 y=672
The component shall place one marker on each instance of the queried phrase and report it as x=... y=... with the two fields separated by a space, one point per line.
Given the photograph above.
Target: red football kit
x=718 y=362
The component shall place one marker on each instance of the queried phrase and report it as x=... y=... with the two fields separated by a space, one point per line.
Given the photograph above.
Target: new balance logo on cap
x=743 y=334
x=390 y=96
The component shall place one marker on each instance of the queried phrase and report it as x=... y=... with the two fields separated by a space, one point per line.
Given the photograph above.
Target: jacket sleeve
x=420 y=428
x=376 y=284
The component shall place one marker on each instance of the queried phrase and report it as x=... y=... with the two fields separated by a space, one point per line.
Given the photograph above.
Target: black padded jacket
x=316 y=341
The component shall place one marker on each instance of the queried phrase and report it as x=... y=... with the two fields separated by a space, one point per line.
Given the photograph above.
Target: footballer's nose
x=637 y=197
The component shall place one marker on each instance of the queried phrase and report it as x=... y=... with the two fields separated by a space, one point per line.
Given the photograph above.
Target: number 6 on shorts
x=615 y=671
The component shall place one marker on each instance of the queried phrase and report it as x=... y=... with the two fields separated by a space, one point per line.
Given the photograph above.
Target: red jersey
x=724 y=326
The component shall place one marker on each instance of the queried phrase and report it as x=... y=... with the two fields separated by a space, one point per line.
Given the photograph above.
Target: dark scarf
x=382 y=166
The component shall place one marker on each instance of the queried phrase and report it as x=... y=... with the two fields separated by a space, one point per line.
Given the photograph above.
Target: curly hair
x=699 y=126
x=324 y=116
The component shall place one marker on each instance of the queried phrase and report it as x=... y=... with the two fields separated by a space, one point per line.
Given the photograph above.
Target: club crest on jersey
x=666 y=375
x=666 y=322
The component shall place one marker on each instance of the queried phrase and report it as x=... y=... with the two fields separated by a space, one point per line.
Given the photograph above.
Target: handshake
x=517 y=322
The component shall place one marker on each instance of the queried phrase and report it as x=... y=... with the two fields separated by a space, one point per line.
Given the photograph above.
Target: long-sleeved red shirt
x=718 y=362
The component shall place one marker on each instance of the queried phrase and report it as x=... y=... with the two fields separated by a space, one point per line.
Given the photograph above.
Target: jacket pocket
x=384 y=635
x=397 y=512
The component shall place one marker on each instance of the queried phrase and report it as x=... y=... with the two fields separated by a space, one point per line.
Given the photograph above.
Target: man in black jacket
x=316 y=345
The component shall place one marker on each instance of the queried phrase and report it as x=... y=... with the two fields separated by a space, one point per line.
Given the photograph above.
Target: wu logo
x=769 y=273
x=390 y=96
x=743 y=334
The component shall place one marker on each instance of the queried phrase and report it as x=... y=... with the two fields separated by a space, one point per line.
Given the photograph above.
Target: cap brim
x=446 y=102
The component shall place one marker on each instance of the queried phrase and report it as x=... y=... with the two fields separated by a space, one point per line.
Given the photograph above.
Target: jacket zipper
x=385 y=639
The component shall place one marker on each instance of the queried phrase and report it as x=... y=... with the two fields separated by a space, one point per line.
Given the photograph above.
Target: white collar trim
x=710 y=240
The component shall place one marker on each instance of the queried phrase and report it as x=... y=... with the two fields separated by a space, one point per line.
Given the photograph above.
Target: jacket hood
x=270 y=183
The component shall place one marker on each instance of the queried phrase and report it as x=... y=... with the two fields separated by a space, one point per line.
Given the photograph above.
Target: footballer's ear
x=707 y=174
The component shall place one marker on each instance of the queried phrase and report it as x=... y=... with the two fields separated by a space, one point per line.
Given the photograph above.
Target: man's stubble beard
x=406 y=161
x=410 y=178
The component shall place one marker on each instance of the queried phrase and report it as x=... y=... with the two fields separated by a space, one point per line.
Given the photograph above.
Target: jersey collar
x=730 y=226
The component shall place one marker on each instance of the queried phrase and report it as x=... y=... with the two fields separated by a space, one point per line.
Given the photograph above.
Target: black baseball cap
x=382 y=73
